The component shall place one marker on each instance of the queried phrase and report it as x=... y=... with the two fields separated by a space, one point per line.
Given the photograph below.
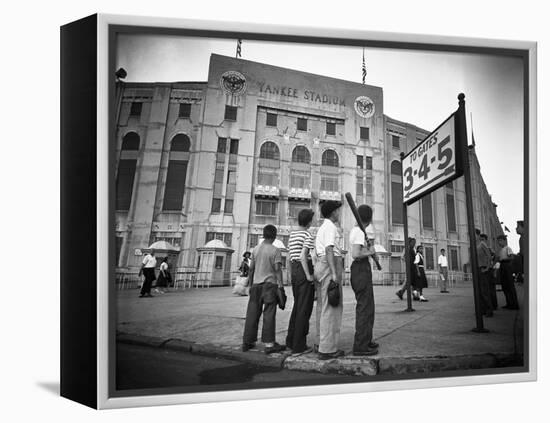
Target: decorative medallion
x=233 y=82
x=364 y=106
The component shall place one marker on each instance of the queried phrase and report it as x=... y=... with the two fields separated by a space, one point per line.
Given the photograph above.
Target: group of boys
x=266 y=280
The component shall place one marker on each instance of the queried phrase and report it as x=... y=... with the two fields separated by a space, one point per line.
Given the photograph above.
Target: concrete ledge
x=347 y=365
x=408 y=365
x=148 y=341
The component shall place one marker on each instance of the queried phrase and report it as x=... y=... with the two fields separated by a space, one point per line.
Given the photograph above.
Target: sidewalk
x=437 y=336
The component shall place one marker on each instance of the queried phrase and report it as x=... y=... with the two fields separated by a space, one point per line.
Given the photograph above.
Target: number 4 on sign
x=424 y=168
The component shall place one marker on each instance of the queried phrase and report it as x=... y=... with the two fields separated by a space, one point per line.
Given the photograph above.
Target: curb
x=347 y=365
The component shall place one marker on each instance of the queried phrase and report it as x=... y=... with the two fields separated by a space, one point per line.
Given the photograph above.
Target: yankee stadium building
x=202 y=167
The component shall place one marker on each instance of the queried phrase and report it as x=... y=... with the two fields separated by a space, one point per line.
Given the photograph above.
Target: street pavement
x=437 y=336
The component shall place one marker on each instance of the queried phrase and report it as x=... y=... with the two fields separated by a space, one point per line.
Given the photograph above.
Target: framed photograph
x=265 y=211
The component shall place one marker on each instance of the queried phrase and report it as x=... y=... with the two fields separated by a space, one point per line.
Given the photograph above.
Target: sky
x=419 y=87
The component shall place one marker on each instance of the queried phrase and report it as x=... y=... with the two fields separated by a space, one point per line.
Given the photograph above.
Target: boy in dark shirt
x=266 y=276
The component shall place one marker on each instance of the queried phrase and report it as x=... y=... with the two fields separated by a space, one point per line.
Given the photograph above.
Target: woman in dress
x=419 y=280
x=241 y=282
x=164 y=278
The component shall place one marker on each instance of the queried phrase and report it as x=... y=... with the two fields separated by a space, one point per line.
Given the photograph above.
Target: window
x=175 y=185
x=359 y=190
x=222 y=145
x=269 y=177
x=329 y=158
x=451 y=217
x=429 y=257
x=271 y=119
x=185 y=110
x=368 y=185
x=253 y=240
x=364 y=133
x=395 y=141
x=368 y=163
x=331 y=128
x=294 y=207
x=180 y=142
x=230 y=113
x=427 y=215
x=397 y=247
x=126 y=173
x=218 y=176
x=234 y=147
x=266 y=208
x=453 y=259
x=135 y=109
x=329 y=183
x=299 y=178
x=173 y=238
x=219 y=262
x=359 y=162
x=222 y=236
x=396 y=193
x=300 y=154
x=119 y=239
x=269 y=150
x=216 y=205
x=302 y=124
x=130 y=142
x=228 y=209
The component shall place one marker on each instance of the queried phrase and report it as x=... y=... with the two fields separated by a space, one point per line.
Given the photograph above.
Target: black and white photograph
x=293 y=213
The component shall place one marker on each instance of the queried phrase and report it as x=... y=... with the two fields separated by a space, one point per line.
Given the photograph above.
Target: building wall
x=217 y=177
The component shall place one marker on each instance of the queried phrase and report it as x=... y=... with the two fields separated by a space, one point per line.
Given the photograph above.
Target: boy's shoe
x=245 y=347
x=399 y=294
x=373 y=344
x=328 y=356
x=274 y=349
x=298 y=353
x=423 y=299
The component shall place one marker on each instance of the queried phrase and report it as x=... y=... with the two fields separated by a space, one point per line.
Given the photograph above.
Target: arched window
x=180 y=142
x=396 y=193
x=176 y=175
x=300 y=154
x=130 y=141
x=269 y=150
x=329 y=158
x=126 y=171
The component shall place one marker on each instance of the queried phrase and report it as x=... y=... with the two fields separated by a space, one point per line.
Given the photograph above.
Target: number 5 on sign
x=432 y=163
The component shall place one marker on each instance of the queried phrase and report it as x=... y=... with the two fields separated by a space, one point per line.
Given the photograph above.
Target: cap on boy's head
x=305 y=217
x=328 y=207
x=365 y=212
x=443 y=249
x=478 y=232
x=270 y=232
x=483 y=236
x=247 y=254
x=504 y=237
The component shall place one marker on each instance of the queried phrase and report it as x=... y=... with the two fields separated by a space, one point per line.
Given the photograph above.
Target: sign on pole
x=433 y=162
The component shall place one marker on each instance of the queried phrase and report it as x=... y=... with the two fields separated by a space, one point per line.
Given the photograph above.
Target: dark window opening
x=360 y=162
x=329 y=158
x=234 y=147
x=222 y=145
x=175 y=185
x=185 y=110
x=331 y=128
x=395 y=141
x=230 y=113
x=271 y=119
x=135 y=109
x=302 y=124
x=364 y=133
x=216 y=205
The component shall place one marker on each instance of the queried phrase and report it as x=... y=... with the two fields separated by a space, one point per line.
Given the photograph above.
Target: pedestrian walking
x=329 y=267
x=242 y=281
x=300 y=243
x=484 y=267
x=412 y=255
x=519 y=261
x=148 y=271
x=266 y=277
x=419 y=281
x=505 y=256
x=164 y=278
x=443 y=271
x=361 y=283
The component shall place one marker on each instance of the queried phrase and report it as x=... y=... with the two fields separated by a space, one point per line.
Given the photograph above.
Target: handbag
x=333 y=293
x=281 y=298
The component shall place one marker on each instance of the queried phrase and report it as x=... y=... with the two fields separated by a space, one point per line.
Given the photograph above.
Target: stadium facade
x=203 y=166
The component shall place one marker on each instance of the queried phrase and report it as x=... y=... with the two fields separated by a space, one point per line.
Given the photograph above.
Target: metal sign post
x=463 y=142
